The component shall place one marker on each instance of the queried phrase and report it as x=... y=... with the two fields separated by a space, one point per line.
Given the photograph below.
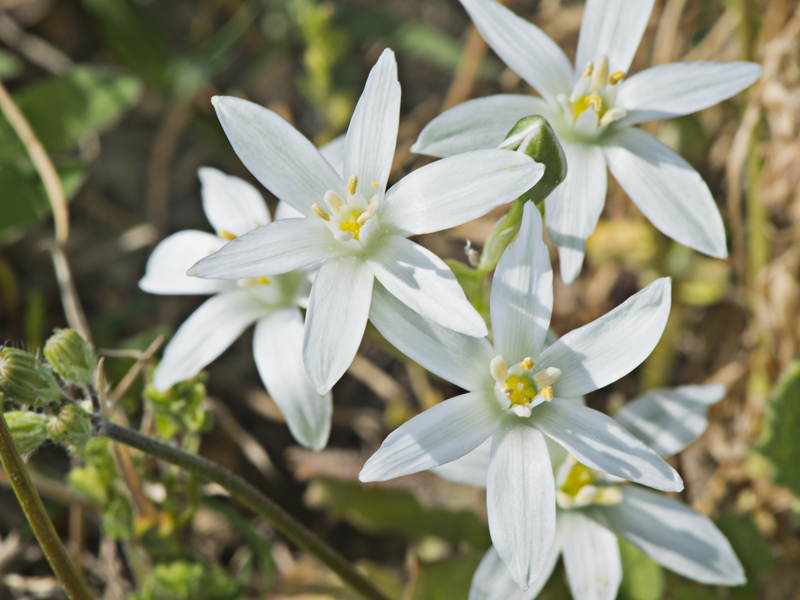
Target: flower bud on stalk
x=532 y=136
x=28 y=429
x=24 y=378
x=72 y=426
x=70 y=356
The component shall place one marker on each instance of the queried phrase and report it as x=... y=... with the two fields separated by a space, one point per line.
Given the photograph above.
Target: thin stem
x=43 y=529
x=254 y=499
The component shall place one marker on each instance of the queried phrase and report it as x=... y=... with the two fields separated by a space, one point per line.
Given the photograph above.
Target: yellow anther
x=351 y=224
x=592 y=100
x=226 y=235
x=616 y=77
x=527 y=364
x=507 y=389
x=351 y=185
x=321 y=212
x=547 y=393
x=588 y=71
x=374 y=184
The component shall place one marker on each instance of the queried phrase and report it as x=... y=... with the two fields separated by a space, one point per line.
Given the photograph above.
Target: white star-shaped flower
x=357 y=227
x=233 y=208
x=592 y=108
x=517 y=396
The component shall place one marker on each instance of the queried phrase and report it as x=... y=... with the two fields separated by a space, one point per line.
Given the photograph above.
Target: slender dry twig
x=134 y=371
x=73 y=311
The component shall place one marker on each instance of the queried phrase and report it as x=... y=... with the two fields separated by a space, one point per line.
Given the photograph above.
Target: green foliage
x=642 y=577
x=375 y=509
x=10 y=65
x=780 y=443
x=70 y=356
x=752 y=549
x=183 y=580
x=179 y=409
x=29 y=430
x=446 y=579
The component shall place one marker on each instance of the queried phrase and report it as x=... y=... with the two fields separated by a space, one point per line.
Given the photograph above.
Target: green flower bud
x=24 y=378
x=28 y=429
x=72 y=426
x=70 y=356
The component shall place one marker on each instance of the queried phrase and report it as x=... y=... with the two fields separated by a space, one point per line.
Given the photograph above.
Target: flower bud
x=70 y=356
x=24 y=378
x=28 y=429
x=72 y=426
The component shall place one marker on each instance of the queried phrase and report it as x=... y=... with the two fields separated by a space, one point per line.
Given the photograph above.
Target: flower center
x=596 y=90
x=578 y=487
x=346 y=218
x=523 y=388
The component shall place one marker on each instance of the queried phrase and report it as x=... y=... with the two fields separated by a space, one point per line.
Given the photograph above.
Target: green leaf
x=380 y=510
x=642 y=577
x=751 y=548
x=65 y=109
x=446 y=579
x=695 y=592
x=10 y=65
x=780 y=443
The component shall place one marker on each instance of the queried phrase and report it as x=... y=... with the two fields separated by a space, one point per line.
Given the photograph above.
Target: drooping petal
x=231 y=204
x=279 y=247
x=279 y=156
x=612 y=28
x=591 y=557
x=470 y=469
x=492 y=580
x=573 y=209
x=667 y=420
x=333 y=152
x=521 y=502
x=424 y=283
x=523 y=47
x=336 y=318
x=522 y=293
x=457 y=189
x=444 y=432
x=278 y=350
x=476 y=124
x=604 y=350
x=668 y=91
x=666 y=189
x=673 y=535
x=372 y=135
x=206 y=334
x=596 y=441
x=166 y=268
x=458 y=358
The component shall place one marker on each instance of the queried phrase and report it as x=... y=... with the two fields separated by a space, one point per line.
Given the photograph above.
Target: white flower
x=357 y=227
x=233 y=208
x=594 y=509
x=592 y=109
x=517 y=395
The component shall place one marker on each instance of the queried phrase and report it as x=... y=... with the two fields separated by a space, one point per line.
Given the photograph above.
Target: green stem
x=247 y=493
x=42 y=526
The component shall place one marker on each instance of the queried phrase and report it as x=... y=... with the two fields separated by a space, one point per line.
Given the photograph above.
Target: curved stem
x=247 y=493
x=42 y=526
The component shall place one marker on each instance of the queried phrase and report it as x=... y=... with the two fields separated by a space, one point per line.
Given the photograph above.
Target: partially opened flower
x=593 y=509
x=233 y=208
x=592 y=109
x=517 y=396
x=357 y=227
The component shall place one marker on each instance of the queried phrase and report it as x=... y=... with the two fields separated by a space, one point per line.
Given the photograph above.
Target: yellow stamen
x=226 y=235
x=588 y=71
x=321 y=212
x=616 y=77
x=374 y=184
x=351 y=185
x=547 y=393
x=527 y=364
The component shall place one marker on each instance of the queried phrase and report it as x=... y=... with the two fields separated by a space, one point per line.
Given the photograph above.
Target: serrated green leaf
x=642 y=577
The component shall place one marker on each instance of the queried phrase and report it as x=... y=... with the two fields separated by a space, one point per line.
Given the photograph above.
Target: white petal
x=206 y=334
x=442 y=433
x=668 y=420
x=476 y=124
x=470 y=469
x=458 y=358
x=284 y=161
x=166 y=268
x=676 y=89
x=279 y=247
x=523 y=47
x=601 y=352
x=457 y=189
x=573 y=209
x=492 y=581
x=596 y=441
x=612 y=28
x=674 y=535
x=521 y=501
x=666 y=189
x=336 y=318
x=591 y=557
x=231 y=204
x=333 y=152
x=372 y=135
x=285 y=211
x=424 y=283
x=522 y=292
x=278 y=350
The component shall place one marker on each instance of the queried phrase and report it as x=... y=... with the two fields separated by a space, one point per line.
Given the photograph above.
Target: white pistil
x=334 y=201
x=344 y=236
x=600 y=74
x=499 y=371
